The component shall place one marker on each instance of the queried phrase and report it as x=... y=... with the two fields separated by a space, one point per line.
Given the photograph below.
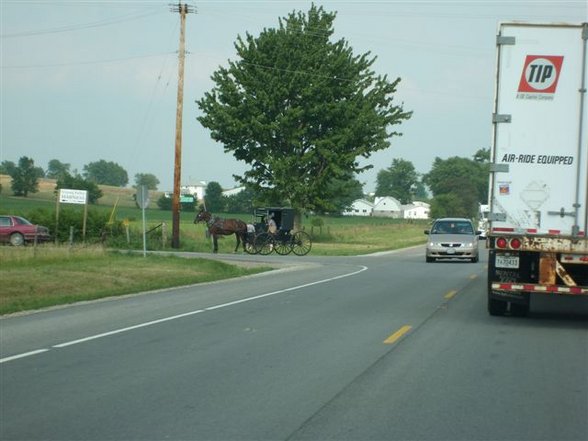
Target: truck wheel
x=496 y=307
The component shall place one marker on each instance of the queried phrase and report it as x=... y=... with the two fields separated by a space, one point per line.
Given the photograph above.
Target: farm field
x=48 y=275
x=337 y=235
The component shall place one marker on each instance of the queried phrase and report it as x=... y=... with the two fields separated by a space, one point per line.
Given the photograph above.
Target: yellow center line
x=397 y=335
x=450 y=294
x=473 y=276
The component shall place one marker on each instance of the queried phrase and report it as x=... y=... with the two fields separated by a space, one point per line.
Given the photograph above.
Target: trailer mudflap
x=547 y=268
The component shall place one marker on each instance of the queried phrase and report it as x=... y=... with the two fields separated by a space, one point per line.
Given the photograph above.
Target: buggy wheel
x=301 y=243
x=250 y=248
x=264 y=244
x=283 y=245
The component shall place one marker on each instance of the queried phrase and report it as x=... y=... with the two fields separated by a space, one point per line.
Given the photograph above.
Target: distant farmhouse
x=360 y=207
x=198 y=189
x=416 y=210
x=195 y=190
x=388 y=206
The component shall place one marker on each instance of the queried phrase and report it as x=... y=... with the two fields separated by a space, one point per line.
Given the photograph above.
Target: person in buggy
x=272 y=227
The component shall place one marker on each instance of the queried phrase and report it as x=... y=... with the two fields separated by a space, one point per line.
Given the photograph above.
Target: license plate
x=507 y=261
x=450 y=251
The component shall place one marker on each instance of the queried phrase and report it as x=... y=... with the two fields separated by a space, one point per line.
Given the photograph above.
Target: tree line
x=25 y=176
x=457 y=185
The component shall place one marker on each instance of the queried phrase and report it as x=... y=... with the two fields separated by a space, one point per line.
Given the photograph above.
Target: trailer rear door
x=540 y=145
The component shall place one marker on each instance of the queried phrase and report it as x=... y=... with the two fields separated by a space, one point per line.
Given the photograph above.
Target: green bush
x=98 y=227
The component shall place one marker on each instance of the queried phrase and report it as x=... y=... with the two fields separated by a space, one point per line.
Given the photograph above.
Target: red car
x=17 y=231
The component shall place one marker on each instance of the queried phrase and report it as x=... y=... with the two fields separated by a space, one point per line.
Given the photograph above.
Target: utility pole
x=183 y=9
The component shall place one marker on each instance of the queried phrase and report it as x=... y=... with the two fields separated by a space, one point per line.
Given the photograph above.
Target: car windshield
x=452 y=227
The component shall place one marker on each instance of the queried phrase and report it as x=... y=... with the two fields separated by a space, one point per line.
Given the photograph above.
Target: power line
x=80 y=63
x=81 y=26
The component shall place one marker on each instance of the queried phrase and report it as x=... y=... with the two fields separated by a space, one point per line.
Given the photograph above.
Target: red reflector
x=503 y=229
x=515 y=243
x=501 y=242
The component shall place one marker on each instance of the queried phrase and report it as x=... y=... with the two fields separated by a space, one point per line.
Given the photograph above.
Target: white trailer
x=538 y=218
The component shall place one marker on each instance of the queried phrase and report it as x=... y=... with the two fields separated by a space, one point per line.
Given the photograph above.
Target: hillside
x=122 y=197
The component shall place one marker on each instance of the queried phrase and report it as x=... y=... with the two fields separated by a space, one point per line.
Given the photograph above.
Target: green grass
x=339 y=236
x=33 y=278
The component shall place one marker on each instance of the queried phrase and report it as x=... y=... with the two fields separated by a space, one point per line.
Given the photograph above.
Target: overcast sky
x=83 y=81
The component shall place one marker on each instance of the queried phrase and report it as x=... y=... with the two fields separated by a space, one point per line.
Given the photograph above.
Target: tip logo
x=540 y=73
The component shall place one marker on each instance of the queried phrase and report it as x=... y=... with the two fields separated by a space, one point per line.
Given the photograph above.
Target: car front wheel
x=16 y=239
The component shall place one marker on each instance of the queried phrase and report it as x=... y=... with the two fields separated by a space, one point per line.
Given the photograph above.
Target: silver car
x=452 y=238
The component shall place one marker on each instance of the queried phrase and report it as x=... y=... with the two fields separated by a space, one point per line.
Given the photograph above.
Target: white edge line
x=26 y=354
x=130 y=328
x=167 y=319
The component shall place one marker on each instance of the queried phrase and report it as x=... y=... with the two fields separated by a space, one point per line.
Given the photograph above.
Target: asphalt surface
x=381 y=347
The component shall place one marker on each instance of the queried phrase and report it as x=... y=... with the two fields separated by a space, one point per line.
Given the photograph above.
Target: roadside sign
x=71 y=196
x=142 y=196
x=68 y=196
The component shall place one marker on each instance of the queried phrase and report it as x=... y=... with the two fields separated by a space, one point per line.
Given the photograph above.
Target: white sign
x=73 y=196
x=142 y=197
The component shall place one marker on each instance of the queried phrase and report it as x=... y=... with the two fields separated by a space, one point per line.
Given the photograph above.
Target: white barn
x=387 y=206
x=416 y=210
x=360 y=207
x=197 y=189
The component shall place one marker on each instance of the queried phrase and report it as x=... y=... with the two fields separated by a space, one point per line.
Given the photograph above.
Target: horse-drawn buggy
x=272 y=231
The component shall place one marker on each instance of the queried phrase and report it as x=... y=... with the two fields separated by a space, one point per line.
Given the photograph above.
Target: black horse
x=217 y=226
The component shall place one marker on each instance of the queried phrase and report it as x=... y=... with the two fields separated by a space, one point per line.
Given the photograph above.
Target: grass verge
x=34 y=278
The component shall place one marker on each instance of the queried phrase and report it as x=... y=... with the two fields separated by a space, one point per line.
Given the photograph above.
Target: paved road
x=382 y=347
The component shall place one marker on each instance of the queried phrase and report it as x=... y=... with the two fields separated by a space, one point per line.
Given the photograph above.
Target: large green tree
x=7 y=167
x=25 y=177
x=399 y=180
x=213 y=197
x=465 y=180
x=57 y=169
x=147 y=179
x=341 y=194
x=106 y=173
x=242 y=202
x=300 y=109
